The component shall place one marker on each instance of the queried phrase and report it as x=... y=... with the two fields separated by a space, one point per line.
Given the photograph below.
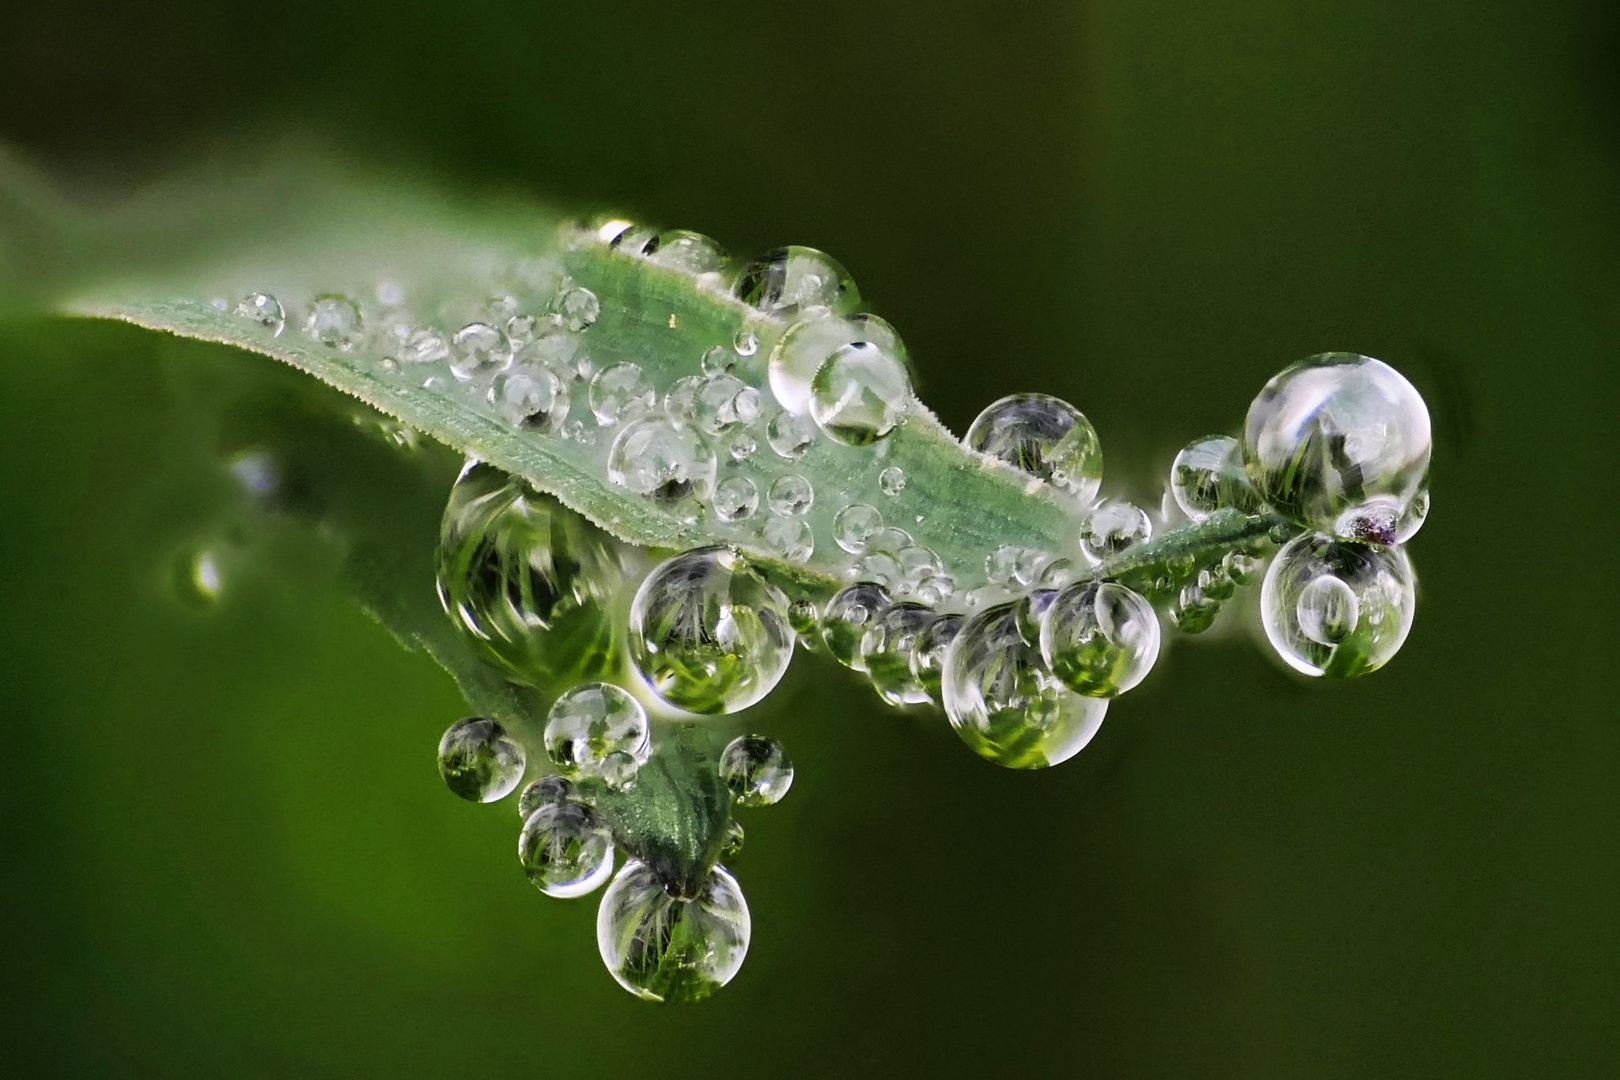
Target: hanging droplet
x=530 y=397
x=1099 y=639
x=1339 y=443
x=735 y=498
x=806 y=345
x=756 y=769
x=1208 y=475
x=1112 y=526
x=423 y=347
x=477 y=350
x=791 y=495
x=732 y=845
x=793 y=279
x=591 y=721
x=804 y=618
x=1337 y=608
x=1045 y=437
x=263 y=310
x=668 y=948
x=1240 y=566
x=527 y=581
x=709 y=633
x=547 y=789
x=790 y=538
x=887 y=649
x=850 y=613
x=854 y=524
x=892 y=480
x=334 y=321
x=1194 y=611
x=1005 y=704
x=928 y=653
x=478 y=761
x=565 y=849
x=1216 y=583
x=686 y=251
x=620 y=392
x=860 y=394
x=790 y=436
x=579 y=309
x=652 y=457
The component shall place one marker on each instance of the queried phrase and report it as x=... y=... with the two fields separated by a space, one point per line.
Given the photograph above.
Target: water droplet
x=718 y=360
x=565 y=849
x=264 y=310
x=790 y=436
x=1216 y=583
x=423 y=347
x=579 y=309
x=478 y=349
x=681 y=401
x=889 y=538
x=667 y=948
x=653 y=457
x=735 y=498
x=709 y=633
x=1099 y=639
x=334 y=321
x=860 y=394
x=1112 y=526
x=756 y=769
x=1045 y=437
x=1208 y=475
x=1337 y=608
x=1334 y=434
x=589 y=722
x=887 y=649
x=746 y=343
x=1004 y=703
x=618 y=770
x=1240 y=566
x=732 y=845
x=806 y=345
x=917 y=563
x=892 y=480
x=935 y=588
x=619 y=393
x=789 y=537
x=928 y=652
x=686 y=251
x=791 y=495
x=803 y=617
x=743 y=446
x=547 y=789
x=792 y=279
x=521 y=330
x=850 y=613
x=854 y=524
x=1194 y=612
x=532 y=397
x=724 y=402
x=1012 y=565
x=526 y=580
x=478 y=761
x=879 y=567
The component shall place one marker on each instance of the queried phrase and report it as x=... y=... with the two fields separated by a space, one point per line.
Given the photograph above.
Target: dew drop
x=756 y=769
x=793 y=279
x=807 y=345
x=732 y=845
x=742 y=447
x=791 y=495
x=531 y=397
x=724 y=402
x=1194 y=611
x=686 y=251
x=1240 y=566
x=681 y=400
x=1112 y=526
x=849 y=615
x=790 y=436
x=1099 y=639
x=618 y=770
x=667 y=948
x=620 y=392
x=1336 y=608
x=860 y=394
x=735 y=498
x=892 y=480
x=854 y=524
x=718 y=360
x=423 y=347
x=263 y=310
x=1208 y=475
x=565 y=849
x=789 y=537
x=746 y=343
x=887 y=648
x=1045 y=437
x=579 y=309
x=876 y=566
x=478 y=349
x=334 y=321
x=591 y=721
x=547 y=789
x=653 y=457
x=478 y=761
x=928 y=652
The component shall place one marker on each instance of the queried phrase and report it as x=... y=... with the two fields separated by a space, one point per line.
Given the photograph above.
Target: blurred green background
x=226 y=849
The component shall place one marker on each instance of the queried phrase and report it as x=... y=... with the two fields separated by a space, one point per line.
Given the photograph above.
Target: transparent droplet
x=735 y=498
x=789 y=537
x=263 y=310
x=746 y=343
x=547 y=789
x=892 y=480
x=742 y=447
x=423 y=347
x=709 y=633
x=935 y=588
x=620 y=392
x=718 y=360
x=1194 y=611
x=566 y=849
x=618 y=770
x=521 y=330
x=1337 y=608
x=860 y=394
x=589 y=722
x=667 y=948
x=850 y=613
x=478 y=349
x=724 y=402
x=686 y=251
x=790 y=436
x=887 y=649
x=1208 y=475
x=531 y=397
x=1004 y=702
x=681 y=401
x=1010 y=565
x=854 y=524
x=732 y=845
x=1216 y=583
x=1339 y=443
x=917 y=562
x=478 y=761
x=808 y=344
x=889 y=538
x=653 y=457
x=334 y=321
x=1240 y=566
x=793 y=279
x=1045 y=437
x=878 y=567
x=803 y=617
x=579 y=309
x=791 y=495
x=1099 y=639
x=1112 y=526
x=527 y=581
x=928 y=652
x=756 y=769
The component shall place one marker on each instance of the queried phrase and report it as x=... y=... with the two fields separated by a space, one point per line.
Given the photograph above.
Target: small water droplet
x=547 y=789
x=789 y=537
x=1112 y=526
x=579 y=308
x=1208 y=474
x=591 y=721
x=928 y=652
x=850 y=613
x=790 y=279
x=1100 y=639
x=735 y=498
x=743 y=446
x=718 y=360
x=725 y=402
x=619 y=393
x=860 y=394
x=892 y=480
x=1193 y=612
x=686 y=251
x=334 y=321
x=746 y=343
x=477 y=350
x=732 y=845
x=756 y=769
x=264 y=310
x=806 y=345
x=854 y=524
x=790 y=436
x=887 y=649
x=791 y=495
x=566 y=849
x=423 y=346
x=532 y=397
x=478 y=761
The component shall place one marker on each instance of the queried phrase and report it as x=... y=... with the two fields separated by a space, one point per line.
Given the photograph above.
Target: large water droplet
x=1337 y=608
x=1100 y=639
x=1004 y=702
x=806 y=345
x=860 y=394
x=589 y=722
x=334 y=321
x=667 y=948
x=1208 y=475
x=756 y=769
x=655 y=458
x=1045 y=437
x=1340 y=443
x=264 y=310
x=1112 y=526
x=850 y=613
x=709 y=633
x=620 y=392
x=793 y=279
x=565 y=849
x=479 y=761
x=887 y=648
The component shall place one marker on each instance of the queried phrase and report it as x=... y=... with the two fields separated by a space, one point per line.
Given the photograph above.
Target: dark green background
x=226 y=852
